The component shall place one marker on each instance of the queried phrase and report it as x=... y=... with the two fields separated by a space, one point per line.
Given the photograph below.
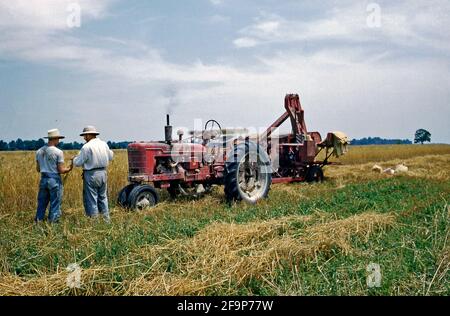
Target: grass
x=304 y=240
x=19 y=181
x=361 y=154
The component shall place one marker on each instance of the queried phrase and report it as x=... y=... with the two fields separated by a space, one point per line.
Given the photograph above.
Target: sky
x=366 y=68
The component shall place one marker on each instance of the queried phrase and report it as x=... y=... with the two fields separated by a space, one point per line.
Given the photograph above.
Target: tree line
x=20 y=144
x=421 y=136
x=379 y=141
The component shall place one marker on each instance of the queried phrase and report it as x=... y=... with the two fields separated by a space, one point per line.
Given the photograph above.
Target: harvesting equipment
x=246 y=165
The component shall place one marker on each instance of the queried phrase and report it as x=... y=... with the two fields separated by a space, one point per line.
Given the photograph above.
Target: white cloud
x=413 y=25
x=43 y=38
x=37 y=30
x=216 y=2
x=268 y=27
x=46 y=14
x=275 y=29
x=245 y=42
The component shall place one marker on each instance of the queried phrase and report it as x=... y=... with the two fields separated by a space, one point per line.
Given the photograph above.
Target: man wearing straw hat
x=94 y=158
x=50 y=163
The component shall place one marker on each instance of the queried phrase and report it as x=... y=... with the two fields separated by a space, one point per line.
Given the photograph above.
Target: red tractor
x=246 y=165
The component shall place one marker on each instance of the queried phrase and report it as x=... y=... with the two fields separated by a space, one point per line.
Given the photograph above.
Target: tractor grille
x=137 y=161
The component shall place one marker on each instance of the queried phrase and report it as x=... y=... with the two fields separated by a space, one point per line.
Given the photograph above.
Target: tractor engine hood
x=179 y=152
x=160 y=146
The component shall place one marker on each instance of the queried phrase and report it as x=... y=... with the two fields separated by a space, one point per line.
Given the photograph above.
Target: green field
x=303 y=240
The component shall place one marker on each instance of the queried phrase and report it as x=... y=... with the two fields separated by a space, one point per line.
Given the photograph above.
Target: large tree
x=422 y=136
x=3 y=146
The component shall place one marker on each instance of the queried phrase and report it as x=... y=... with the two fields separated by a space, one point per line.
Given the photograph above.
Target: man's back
x=94 y=154
x=48 y=158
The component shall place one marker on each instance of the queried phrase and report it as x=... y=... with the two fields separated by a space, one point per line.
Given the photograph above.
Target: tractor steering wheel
x=210 y=124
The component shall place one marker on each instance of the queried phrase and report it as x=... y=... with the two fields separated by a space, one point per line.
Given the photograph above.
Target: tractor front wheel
x=122 y=198
x=143 y=197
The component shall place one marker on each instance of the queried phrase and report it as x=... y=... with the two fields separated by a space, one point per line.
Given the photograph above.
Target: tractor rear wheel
x=314 y=174
x=122 y=198
x=143 y=197
x=248 y=174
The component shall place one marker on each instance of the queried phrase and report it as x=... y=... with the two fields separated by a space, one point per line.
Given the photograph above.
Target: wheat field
x=303 y=240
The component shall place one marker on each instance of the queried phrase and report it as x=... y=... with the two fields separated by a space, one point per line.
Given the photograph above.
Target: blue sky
x=130 y=62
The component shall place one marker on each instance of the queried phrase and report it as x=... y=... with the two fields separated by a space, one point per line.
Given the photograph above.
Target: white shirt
x=48 y=158
x=94 y=154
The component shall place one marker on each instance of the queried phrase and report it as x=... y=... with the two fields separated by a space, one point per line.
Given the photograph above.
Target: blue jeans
x=50 y=191
x=95 y=197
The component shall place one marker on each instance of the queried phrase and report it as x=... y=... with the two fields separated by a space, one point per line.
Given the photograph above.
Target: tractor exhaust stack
x=168 y=131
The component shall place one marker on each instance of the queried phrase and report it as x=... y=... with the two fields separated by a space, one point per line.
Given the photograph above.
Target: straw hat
x=53 y=134
x=89 y=130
